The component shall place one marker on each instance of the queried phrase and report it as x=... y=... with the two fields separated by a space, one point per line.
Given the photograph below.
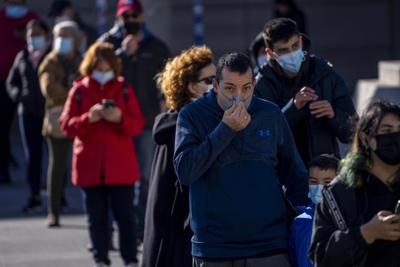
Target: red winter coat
x=103 y=152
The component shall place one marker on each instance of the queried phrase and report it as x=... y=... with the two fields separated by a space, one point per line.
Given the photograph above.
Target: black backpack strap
x=78 y=98
x=333 y=208
x=125 y=92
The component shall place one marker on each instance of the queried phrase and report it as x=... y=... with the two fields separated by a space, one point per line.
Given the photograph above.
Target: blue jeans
x=98 y=201
x=145 y=150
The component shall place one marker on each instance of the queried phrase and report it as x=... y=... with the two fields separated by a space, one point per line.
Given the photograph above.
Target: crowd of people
x=208 y=163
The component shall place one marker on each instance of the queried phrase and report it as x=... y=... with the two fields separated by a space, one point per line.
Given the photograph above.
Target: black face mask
x=131 y=27
x=388 y=148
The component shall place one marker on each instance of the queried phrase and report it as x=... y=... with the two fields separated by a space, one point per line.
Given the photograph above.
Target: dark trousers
x=59 y=152
x=281 y=260
x=34 y=141
x=98 y=201
x=7 y=110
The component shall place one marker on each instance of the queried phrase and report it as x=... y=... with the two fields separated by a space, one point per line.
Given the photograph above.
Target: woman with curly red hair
x=167 y=233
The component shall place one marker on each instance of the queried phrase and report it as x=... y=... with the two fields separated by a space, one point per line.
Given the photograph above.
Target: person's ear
x=301 y=41
x=215 y=85
x=269 y=52
x=191 y=88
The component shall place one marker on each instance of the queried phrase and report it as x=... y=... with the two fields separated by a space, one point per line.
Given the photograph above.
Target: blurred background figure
x=143 y=55
x=56 y=75
x=356 y=219
x=257 y=52
x=14 y=15
x=289 y=9
x=24 y=88
x=63 y=10
x=167 y=231
x=102 y=115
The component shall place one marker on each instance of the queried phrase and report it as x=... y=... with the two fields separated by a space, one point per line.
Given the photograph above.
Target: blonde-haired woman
x=167 y=233
x=56 y=74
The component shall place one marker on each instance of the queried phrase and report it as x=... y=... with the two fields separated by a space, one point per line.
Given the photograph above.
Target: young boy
x=322 y=170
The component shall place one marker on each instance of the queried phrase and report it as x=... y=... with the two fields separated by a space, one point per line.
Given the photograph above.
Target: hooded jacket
x=237 y=208
x=332 y=247
x=167 y=233
x=274 y=85
x=103 y=152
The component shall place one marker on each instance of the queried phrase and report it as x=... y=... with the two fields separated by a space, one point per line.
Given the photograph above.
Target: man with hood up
x=313 y=97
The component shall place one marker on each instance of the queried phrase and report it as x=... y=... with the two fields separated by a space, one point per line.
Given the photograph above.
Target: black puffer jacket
x=167 y=233
x=320 y=76
x=331 y=247
x=23 y=85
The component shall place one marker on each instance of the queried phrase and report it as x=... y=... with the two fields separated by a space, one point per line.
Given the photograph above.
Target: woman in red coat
x=101 y=115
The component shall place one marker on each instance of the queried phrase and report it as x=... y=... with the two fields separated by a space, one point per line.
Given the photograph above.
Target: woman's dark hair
x=38 y=23
x=359 y=159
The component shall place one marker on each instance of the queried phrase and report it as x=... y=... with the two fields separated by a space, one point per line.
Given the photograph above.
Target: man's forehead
x=288 y=43
x=236 y=77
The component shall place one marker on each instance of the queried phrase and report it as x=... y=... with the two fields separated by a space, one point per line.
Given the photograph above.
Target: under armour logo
x=264 y=133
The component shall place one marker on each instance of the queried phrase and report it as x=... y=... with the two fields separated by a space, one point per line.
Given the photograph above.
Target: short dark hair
x=38 y=23
x=280 y=29
x=234 y=62
x=325 y=162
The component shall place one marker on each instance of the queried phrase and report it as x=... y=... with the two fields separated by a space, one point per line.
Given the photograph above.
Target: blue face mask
x=291 y=62
x=103 y=76
x=63 y=45
x=16 y=11
x=315 y=193
x=261 y=60
x=228 y=102
x=36 y=43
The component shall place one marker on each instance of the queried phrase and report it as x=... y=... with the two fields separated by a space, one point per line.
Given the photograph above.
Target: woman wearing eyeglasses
x=167 y=232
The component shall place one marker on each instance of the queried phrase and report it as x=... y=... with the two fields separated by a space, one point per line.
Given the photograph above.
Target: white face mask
x=315 y=193
x=291 y=62
x=261 y=60
x=103 y=76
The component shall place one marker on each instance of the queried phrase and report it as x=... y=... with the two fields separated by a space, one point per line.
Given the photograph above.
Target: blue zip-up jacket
x=237 y=207
x=300 y=237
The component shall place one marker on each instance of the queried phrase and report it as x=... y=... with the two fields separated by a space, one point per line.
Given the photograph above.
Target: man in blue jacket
x=235 y=152
x=323 y=169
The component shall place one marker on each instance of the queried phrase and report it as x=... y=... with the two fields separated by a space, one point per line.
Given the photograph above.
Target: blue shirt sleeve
x=299 y=241
x=194 y=156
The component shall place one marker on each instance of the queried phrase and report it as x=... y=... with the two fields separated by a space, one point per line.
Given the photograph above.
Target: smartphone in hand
x=397 y=209
x=108 y=103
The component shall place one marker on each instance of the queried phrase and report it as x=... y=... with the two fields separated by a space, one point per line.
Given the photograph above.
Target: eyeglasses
x=207 y=80
x=126 y=16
